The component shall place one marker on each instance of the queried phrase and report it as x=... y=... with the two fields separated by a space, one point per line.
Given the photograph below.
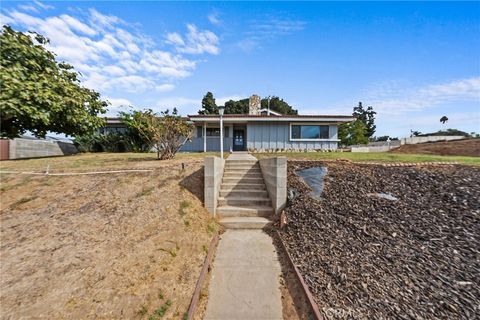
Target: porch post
x=204 y=134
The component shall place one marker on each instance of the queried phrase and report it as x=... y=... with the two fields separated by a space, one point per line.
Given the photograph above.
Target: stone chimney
x=254 y=104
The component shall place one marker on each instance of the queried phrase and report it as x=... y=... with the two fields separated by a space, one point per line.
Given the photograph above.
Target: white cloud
x=117 y=103
x=214 y=18
x=390 y=99
x=221 y=100
x=42 y=5
x=112 y=54
x=165 y=87
x=175 y=39
x=268 y=29
x=195 y=41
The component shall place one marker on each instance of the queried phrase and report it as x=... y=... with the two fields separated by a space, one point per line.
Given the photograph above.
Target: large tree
x=241 y=106
x=367 y=116
x=278 y=105
x=39 y=94
x=208 y=104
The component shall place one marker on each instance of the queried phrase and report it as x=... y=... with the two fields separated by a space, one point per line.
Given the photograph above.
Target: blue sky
x=413 y=62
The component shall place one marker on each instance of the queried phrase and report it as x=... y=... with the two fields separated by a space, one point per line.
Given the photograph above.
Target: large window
x=212 y=132
x=308 y=132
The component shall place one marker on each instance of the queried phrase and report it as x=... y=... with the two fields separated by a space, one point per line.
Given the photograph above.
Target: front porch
x=207 y=137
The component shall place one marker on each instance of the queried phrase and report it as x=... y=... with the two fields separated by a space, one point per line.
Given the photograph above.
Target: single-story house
x=261 y=130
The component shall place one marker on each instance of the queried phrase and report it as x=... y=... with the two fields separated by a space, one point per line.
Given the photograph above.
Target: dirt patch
x=468 y=147
x=294 y=302
x=367 y=257
x=126 y=246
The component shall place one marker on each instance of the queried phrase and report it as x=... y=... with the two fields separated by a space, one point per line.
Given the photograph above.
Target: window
x=212 y=132
x=309 y=132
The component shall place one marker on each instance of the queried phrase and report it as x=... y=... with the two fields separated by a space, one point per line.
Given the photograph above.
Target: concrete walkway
x=245 y=278
x=241 y=155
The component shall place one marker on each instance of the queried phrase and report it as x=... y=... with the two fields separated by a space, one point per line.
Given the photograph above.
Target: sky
x=413 y=62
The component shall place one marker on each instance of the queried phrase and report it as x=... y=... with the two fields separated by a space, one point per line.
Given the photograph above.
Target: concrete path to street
x=245 y=281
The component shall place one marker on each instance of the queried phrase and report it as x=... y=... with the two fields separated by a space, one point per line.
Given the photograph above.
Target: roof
x=260 y=117
x=273 y=118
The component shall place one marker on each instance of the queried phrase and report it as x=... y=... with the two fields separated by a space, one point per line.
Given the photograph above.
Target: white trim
x=273 y=119
x=309 y=124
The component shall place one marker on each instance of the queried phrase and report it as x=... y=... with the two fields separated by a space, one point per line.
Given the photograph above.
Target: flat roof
x=273 y=118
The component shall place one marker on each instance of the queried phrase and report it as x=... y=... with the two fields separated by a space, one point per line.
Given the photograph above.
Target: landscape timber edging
x=313 y=305
x=201 y=279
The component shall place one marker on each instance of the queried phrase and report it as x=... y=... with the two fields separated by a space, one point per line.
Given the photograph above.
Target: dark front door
x=238 y=140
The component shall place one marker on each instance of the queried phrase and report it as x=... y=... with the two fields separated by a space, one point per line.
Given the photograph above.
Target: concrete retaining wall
x=213 y=173
x=373 y=148
x=274 y=171
x=31 y=148
x=415 y=140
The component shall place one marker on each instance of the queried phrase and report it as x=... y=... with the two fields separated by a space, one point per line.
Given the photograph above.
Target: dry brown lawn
x=112 y=246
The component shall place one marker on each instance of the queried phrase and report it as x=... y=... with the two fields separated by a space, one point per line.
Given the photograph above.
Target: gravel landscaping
x=412 y=253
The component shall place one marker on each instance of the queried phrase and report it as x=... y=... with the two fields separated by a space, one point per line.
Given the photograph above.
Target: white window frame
x=310 y=124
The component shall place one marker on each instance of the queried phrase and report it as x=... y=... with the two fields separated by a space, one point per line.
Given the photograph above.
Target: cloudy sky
x=413 y=62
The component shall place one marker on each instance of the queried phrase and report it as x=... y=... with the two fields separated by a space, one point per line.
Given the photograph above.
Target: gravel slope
x=368 y=257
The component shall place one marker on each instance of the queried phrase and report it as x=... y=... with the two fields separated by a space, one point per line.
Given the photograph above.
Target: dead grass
x=103 y=246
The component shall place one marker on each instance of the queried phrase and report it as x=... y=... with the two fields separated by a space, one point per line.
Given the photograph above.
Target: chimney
x=254 y=104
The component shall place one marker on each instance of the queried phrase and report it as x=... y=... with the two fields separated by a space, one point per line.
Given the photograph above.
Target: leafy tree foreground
x=39 y=94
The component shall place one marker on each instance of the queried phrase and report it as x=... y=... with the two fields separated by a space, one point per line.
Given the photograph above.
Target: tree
x=137 y=140
x=166 y=132
x=208 y=104
x=443 y=119
x=39 y=94
x=367 y=116
x=241 y=106
x=278 y=105
x=353 y=133
x=236 y=107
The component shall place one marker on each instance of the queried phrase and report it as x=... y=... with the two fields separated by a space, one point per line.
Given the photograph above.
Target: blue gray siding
x=272 y=135
x=213 y=144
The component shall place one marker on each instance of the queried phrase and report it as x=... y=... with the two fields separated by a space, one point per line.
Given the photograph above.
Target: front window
x=213 y=132
x=309 y=132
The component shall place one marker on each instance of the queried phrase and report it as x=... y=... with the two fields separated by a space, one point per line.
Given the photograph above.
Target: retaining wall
x=415 y=140
x=274 y=171
x=213 y=174
x=20 y=148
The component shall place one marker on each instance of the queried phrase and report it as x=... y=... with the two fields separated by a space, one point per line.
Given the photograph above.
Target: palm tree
x=443 y=119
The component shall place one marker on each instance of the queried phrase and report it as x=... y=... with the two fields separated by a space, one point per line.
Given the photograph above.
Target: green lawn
x=372 y=156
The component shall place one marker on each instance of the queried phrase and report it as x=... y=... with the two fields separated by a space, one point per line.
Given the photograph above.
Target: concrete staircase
x=243 y=202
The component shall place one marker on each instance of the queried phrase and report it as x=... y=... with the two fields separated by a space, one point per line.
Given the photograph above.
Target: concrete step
x=243 y=201
x=242 y=180
x=243 y=186
x=241 y=163
x=242 y=169
x=242 y=175
x=245 y=211
x=243 y=193
x=244 y=222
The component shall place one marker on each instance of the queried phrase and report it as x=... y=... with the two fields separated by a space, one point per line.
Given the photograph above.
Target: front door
x=238 y=140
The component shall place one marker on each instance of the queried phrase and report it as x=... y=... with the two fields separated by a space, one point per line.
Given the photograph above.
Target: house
x=262 y=130
x=259 y=130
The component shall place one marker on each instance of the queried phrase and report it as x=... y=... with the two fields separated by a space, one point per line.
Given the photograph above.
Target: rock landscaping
x=413 y=254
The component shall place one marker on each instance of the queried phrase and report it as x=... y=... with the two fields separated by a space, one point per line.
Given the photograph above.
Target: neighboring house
x=261 y=130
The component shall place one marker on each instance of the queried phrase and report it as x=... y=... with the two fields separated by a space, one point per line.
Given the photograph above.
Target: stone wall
x=20 y=148
x=213 y=173
x=274 y=171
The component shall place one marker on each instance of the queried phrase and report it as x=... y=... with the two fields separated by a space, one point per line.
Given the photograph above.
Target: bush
x=110 y=142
